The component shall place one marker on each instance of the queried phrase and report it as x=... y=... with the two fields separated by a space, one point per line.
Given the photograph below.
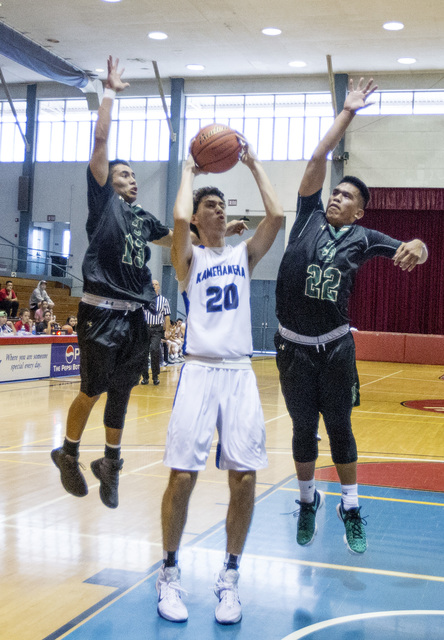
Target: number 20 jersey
x=217 y=301
x=318 y=270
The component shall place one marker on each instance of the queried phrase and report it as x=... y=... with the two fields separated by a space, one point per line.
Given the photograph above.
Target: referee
x=157 y=323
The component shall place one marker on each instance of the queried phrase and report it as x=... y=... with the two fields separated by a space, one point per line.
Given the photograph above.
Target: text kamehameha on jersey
x=221 y=270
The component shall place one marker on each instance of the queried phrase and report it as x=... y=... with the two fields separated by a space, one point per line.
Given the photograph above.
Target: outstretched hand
x=356 y=98
x=235 y=227
x=114 y=76
x=247 y=155
x=409 y=254
x=190 y=163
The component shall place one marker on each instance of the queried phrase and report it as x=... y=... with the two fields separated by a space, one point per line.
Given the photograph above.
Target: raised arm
x=265 y=234
x=99 y=158
x=181 y=249
x=315 y=172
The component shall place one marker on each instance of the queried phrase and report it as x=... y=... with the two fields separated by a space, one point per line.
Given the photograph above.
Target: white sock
x=349 y=496
x=307 y=490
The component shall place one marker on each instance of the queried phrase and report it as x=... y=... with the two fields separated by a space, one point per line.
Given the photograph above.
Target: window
x=405 y=103
x=12 y=146
x=279 y=126
x=65 y=130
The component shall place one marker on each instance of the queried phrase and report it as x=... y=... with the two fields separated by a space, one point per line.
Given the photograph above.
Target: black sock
x=71 y=448
x=112 y=453
x=171 y=559
x=233 y=562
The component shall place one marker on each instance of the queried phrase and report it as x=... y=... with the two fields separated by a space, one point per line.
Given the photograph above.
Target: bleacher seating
x=64 y=304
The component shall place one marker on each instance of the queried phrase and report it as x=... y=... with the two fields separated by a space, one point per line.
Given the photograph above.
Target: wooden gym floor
x=72 y=568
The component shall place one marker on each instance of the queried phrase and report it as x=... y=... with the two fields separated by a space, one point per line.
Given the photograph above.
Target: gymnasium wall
x=386 y=151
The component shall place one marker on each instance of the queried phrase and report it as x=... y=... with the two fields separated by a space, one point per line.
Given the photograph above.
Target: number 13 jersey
x=216 y=292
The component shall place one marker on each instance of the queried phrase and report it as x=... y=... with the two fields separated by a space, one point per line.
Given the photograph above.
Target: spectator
x=38 y=315
x=46 y=325
x=6 y=326
x=72 y=321
x=173 y=344
x=38 y=295
x=24 y=323
x=8 y=300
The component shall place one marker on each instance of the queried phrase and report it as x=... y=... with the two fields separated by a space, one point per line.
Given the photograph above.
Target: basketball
x=216 y=148
x=67 y=329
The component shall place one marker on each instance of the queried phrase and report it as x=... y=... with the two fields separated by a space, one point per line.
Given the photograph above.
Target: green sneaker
x=354 y=537
x=307 y=526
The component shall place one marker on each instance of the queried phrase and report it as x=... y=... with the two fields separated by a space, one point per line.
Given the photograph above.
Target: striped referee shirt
x=162 y=310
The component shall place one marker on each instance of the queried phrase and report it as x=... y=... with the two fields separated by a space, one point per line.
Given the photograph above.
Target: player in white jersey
x=217 y=384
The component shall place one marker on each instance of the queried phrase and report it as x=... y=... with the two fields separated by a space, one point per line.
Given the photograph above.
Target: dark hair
x=203 y=192
x=112 y=163
x=22 y=311
x=361 y=186
x=198 y=195
x=7 y=282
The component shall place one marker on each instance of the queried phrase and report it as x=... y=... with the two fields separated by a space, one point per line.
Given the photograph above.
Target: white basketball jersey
x=217 y=301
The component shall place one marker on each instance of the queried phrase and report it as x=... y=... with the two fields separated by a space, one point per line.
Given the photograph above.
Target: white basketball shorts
x=208 y=397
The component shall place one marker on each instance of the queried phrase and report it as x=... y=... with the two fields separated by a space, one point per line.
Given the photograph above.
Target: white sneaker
x=169 y=604
x=228 y=611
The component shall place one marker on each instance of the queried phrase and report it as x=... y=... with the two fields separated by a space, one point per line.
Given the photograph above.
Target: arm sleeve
x=306 y=205
x=379 y=244
x=98 y=197
x=166 y=308
x=157 y=229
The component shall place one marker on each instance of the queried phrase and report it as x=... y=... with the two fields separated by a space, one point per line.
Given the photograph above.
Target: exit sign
x=232 y=203
x=50 y=218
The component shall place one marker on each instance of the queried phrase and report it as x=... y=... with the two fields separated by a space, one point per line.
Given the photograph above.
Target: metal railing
x=23 y=262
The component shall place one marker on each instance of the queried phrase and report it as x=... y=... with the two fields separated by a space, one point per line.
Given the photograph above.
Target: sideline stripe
x=303 y=633
x=344 y=567
x=333 y=493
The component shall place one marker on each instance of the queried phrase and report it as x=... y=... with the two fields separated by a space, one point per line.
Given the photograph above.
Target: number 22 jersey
x=216 y=292
x=318 y=270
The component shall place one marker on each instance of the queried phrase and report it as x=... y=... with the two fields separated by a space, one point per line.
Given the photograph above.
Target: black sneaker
x=107 y=471
x=156 y=381
x=145 y=381
x=72 y=478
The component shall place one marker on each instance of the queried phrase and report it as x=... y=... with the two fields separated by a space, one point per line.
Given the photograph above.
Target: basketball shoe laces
x=356 y=521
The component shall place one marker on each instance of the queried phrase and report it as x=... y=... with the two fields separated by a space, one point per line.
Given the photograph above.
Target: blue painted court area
x=320 y=592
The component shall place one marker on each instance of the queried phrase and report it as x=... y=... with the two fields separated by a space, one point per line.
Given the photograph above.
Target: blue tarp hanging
x=15 y=46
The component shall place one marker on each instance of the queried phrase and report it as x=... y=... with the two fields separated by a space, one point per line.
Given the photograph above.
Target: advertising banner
x=24 y=362
x=65 y=360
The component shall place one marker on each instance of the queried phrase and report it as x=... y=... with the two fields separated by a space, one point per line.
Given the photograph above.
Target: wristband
x=109 y=93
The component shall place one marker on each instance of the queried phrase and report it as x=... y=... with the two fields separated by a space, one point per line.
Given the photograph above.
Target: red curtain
x=385 y=297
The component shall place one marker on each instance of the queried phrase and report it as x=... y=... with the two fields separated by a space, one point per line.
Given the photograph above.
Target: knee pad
x=115 y=408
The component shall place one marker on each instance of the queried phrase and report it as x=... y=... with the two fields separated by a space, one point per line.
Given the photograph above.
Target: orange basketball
x=216 y=148
x=67 y=328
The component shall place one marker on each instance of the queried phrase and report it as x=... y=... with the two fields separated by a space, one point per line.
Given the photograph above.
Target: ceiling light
x=157 y=35
x=195 y=67
x=393 y=26
x=271 y=31
x=407 y=60
x=297 y=63
x=100 y=70
x=111 y=0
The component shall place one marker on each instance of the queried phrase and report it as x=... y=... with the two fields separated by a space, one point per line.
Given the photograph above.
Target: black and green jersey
x=318 y=270
x=115 y=263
